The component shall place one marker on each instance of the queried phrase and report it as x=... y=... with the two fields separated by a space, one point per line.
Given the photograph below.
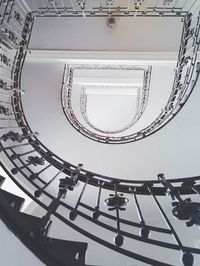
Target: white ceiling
x=91 y=34
x=111 y=112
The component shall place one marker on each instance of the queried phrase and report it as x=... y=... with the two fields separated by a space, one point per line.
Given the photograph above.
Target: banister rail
x=32 y=164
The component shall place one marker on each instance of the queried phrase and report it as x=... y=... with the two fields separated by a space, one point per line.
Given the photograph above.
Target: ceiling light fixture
x=111 y=22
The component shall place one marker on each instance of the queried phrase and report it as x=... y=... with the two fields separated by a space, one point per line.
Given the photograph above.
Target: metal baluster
x=43 y=226
x=26 y=6
x=15 y=33
x=189 y=184
x=73 y=7
x=75 y=173
x=155 y=6
x=196 y=1
x=187 y=258
x=73 y=214
x=1 y=1
x=175 y=4
x=14 y=156
x=18 y=19
x=14 y=136
x=5 y=111
x=144 y=229
x=3 y=41
x=197 y=190
x=96 y=213
x=91 y=8
x=35 y=175
x=39 y=191
x=82 y=4
x=117 y=202
x=20 y=11
x=10 y=11
x=11 y=37
x=126 y=12
x=62 y=3
x=100 y=6
x=109 y=3
x=6 y=50
x=193 y=18
x=53 y=3
x=146 y=7
x=5 y=11
x=183 y=209
x=17 y=23
x=22 y=8
x=5 y=62
x=137 y=5
x=32 y=160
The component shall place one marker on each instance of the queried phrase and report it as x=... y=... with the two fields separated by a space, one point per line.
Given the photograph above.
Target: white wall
x=173 y=150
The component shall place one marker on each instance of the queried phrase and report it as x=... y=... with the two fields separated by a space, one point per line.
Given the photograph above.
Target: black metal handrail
x=37 y=156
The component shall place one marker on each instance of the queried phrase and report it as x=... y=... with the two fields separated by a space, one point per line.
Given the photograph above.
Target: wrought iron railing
x=28 y=161
x=66 y=100
x=186 y=74
x=147 y=8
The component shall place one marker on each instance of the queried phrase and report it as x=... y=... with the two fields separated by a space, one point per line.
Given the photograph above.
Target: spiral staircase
x=80 y=217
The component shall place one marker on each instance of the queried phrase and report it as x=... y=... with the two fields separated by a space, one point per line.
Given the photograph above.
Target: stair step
x=50 y=250
x=14 y=201
x=2 y=179
x=33 y=221
x=62 y=251
x=67 y=251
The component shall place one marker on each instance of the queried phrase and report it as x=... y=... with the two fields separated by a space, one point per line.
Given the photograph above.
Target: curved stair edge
x=51 y=251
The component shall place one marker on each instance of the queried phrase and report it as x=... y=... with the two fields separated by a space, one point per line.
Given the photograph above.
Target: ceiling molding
x=74 y=56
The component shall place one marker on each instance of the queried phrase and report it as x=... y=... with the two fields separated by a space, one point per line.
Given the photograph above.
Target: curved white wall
x=173 y=150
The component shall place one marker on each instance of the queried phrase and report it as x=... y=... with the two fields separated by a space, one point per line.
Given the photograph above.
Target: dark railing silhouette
x=32 y=164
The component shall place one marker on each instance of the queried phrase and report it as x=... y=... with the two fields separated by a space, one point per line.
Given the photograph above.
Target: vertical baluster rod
x=96 y=214
x=35 y=175
x=73 y=214
x=186 y=257
x=39 y=191
x=144 y=229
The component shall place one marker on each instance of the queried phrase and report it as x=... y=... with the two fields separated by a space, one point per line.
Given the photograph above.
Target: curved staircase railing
x=104 y=210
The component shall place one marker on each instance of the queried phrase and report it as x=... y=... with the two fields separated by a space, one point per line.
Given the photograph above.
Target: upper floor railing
x=87 y=8
x=81 y=193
